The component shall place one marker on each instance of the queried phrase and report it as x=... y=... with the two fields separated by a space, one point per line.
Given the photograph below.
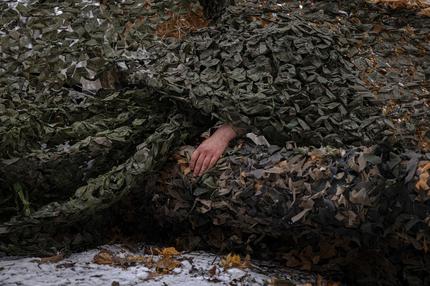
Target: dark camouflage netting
x=93 y=109
x=289 y=80
x=319 y=203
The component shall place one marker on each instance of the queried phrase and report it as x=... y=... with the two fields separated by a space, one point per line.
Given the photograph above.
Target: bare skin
x=208 y=153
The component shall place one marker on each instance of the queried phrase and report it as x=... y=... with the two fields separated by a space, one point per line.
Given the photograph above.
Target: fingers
x=194 y=158
x=206 y=155
x=199 y=164
x=213 y=161
x=205 y=164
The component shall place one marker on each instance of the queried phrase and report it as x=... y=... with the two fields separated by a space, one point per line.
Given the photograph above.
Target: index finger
x=194 y=158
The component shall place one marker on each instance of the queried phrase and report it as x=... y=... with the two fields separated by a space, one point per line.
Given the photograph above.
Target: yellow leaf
x=234 y=260
x=168 y=251
x=185 y=170
x=424 y=171
x=104 y=257
x=167 y=264
x=139 y=259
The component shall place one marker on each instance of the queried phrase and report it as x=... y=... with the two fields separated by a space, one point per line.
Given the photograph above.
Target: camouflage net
x=93 y=109
x=288 y=80
x=321 y=205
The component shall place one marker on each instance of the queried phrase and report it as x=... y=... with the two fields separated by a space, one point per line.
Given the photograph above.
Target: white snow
x=78 y=269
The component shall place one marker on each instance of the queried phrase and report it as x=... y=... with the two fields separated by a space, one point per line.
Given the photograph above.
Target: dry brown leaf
x=166 y=264
x=51 y=259
x=139 y=259
x=424 y=171
x=186 y=170
x=242 y=178
x=258 y=186
x=234 y=260
x=167 y=251
x=409 y=4
x=423 y=6
x=425 y=12
x=179 y=25
x=422 y=133
x=182 y=158
x=212 y=271
x=104 y=257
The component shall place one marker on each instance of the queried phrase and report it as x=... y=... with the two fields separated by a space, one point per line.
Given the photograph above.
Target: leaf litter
x=80 y=268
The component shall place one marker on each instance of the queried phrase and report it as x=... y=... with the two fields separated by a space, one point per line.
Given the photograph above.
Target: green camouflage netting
x=289 y=80
x=320 y=205
x=93 y=104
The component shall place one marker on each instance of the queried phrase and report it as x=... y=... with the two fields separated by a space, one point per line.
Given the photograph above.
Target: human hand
x=208 y=153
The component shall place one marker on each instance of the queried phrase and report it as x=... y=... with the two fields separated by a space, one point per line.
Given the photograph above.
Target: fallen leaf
x=104 y=257
x=185 y=170
x=52 y=259
x=425 y=12
x=212 y=271
x=139 y=259
x=234 y=260
x=166 y=264
x=258 y=186
x=424 y=171
x=178 y=26
x=168 y=251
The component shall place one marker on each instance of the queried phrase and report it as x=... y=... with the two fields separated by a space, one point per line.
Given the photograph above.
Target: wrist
x=226 y=133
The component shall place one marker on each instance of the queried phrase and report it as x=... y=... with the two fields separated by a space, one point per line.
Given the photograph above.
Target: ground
x=195 y=269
